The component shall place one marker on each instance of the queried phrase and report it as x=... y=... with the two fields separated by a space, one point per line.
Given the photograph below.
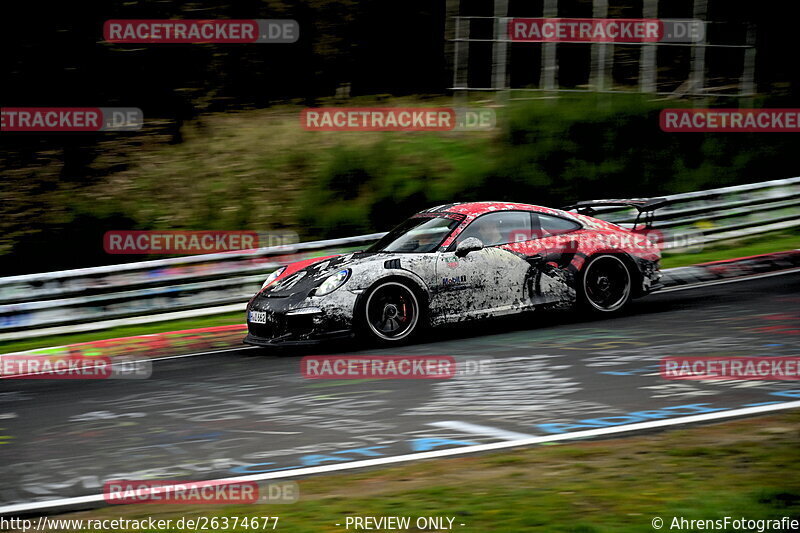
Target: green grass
x=260 y=170
x=747 y=468
x=123 y=331
x=762 y=244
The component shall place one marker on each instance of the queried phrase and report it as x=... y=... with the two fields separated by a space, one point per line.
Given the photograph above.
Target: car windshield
x=416 y=235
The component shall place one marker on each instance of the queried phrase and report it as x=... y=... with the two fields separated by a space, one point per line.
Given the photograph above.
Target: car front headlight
x=272 y=277
x=333 y=282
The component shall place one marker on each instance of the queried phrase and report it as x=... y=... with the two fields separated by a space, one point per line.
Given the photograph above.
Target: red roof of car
x=478 y=208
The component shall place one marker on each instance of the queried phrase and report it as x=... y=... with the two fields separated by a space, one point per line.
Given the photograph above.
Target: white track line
x=297 y=472
x=477 y=429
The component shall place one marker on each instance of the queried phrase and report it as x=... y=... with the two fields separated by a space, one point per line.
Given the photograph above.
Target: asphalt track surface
x=249 y=411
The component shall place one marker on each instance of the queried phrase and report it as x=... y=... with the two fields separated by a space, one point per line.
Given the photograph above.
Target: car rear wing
x=645 y=206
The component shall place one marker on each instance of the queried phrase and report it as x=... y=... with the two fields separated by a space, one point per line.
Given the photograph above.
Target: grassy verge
x=747 y=468
x=773 y=242
x=762 y=244
x=259 y=169
x=123 y=331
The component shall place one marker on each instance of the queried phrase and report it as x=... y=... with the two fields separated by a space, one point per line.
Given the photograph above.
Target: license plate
x=258 y=317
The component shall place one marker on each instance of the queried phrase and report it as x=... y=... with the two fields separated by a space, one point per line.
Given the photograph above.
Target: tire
x=392 y=313
x=606 y=284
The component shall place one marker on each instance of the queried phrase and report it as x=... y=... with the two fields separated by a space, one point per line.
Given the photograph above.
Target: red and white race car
x=459 y=262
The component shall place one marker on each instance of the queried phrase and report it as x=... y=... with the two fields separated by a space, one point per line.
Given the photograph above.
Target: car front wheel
x=392 y=313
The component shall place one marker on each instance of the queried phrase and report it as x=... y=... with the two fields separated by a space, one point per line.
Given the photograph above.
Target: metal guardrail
x=721 y=214
x=161 y=288
x=150 y=291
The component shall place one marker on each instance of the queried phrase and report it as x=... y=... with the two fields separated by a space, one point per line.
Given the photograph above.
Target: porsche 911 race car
x=459 y=262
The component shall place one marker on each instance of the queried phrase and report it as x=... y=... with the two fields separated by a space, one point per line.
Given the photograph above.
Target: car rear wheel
x=605 y=284
x=392 y=313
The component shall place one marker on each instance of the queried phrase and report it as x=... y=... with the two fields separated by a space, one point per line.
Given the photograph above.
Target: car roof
x=474 y=209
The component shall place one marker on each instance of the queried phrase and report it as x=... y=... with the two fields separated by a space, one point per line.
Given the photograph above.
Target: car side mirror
x=470 y=244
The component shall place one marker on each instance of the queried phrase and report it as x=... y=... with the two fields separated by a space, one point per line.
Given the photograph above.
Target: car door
x=490 y=281
x=552 y=243
x=560 y=237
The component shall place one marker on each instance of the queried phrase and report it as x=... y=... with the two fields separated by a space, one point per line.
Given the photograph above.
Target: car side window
x=499 y=228
x=551 y=225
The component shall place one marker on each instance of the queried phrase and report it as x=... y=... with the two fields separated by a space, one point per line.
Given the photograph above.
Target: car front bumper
x=276 y=321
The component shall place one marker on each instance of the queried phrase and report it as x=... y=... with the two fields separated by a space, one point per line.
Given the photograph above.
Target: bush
x=549 y=152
